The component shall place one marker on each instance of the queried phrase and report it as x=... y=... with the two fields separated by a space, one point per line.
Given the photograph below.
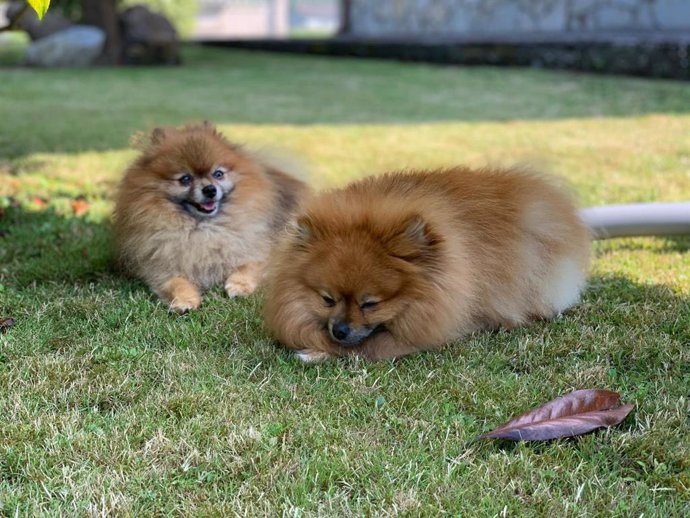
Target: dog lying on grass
x=195 y=211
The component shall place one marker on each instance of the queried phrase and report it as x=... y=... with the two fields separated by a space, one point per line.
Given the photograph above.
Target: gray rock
x=148 y=38
x=78 y=46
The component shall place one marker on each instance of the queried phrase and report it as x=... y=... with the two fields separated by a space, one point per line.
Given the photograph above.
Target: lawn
x=111 y=405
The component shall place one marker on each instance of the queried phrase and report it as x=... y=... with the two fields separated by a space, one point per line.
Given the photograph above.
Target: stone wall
x=382 y=18
x=648 y=38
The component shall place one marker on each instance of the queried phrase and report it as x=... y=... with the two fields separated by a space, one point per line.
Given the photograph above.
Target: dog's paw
x=239 y=285
x=182 y=296
x=185 y=304
x=310 y=356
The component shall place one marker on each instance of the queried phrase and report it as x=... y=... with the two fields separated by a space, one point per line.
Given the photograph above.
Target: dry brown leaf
x=573 y=414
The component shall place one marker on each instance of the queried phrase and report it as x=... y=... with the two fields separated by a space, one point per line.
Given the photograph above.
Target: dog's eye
x=369 y=304
x=185 y=179
x=328 y=300
x=218 y=173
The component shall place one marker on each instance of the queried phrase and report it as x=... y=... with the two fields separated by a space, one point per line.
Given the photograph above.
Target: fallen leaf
x=79 y=206
x=573 y=414
x=39 y=202
x=6 y=323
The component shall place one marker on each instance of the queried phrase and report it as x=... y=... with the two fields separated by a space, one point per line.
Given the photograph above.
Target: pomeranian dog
x=195 y=211
x=406 y=262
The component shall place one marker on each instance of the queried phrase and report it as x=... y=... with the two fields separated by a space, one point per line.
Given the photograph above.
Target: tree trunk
x=103 y=14
x=345 y=10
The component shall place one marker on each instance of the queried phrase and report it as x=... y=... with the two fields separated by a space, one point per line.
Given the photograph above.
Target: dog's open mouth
x=206 y=207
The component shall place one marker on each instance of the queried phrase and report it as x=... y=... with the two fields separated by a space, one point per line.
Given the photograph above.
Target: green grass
x=110 y=405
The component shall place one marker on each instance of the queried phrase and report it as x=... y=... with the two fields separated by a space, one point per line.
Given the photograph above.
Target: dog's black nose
x=209 y=191
x=340 y=331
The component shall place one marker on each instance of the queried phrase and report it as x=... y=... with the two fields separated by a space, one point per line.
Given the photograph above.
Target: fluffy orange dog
x=406 y=262
x=196 y=211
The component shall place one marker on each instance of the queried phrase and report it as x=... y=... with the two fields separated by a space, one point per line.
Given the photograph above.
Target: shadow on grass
x=47 y=247
x=612 y=299
x=44 y=246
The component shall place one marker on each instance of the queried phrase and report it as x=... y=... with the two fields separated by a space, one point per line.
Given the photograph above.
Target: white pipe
x=638 y=219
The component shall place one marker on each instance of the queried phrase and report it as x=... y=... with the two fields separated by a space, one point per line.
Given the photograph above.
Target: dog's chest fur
x=207 y=251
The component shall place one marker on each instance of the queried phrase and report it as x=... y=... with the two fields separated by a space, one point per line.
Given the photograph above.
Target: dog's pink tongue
x=209 y=205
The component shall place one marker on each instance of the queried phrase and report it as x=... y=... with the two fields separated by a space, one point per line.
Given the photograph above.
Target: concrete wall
x=243 y=19
x=456 y=17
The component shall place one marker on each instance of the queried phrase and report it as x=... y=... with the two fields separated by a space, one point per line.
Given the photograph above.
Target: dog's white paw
x=184 y=305
x=307 y=356
x=240 y=287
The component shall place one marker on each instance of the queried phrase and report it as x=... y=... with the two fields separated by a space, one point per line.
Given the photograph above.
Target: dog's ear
x=413 y=240
x=301 y=232
x=158 y=135
x=304 y=231
x=417 y=231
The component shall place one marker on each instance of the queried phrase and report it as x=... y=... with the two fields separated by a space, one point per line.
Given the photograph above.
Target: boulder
x=148 y=38
x=51 y=23
x=78 y=46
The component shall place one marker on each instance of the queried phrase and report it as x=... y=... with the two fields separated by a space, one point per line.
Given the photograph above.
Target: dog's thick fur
x=181 y=239
x=405 y=262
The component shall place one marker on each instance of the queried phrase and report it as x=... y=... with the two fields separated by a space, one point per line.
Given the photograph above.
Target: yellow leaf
x=40 y=6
